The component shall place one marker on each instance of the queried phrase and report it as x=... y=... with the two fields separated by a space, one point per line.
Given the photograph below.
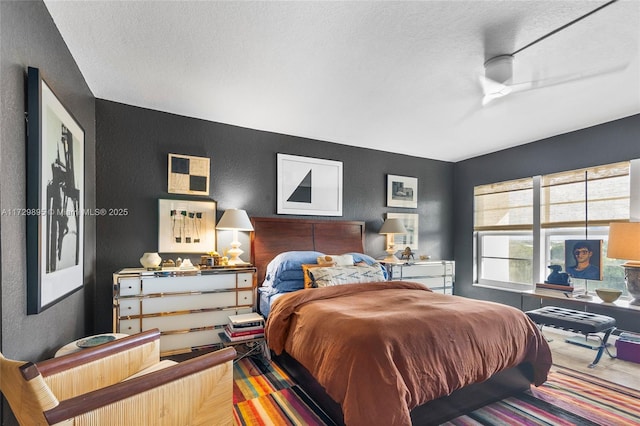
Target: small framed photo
x=583 y=259
x=309 y=186
x=188 y=175
x=186 y=226
x=55 y=198
x=410 y=222
x=402 y=191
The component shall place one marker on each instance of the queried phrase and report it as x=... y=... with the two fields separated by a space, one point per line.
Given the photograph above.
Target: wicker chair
x=121 y=382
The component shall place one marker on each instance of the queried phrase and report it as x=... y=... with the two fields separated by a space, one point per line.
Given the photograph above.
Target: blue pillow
x=284 y=272
x=360 y=257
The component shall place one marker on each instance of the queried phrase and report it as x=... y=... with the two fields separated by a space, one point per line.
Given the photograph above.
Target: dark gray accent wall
x=611 y=142
x=132 y=149
x=28 y=37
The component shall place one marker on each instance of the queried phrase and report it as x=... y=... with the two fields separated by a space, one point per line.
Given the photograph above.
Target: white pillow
x=338 y=275
x=337 y=260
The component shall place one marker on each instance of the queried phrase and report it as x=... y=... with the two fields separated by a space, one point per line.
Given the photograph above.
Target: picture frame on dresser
x=411 y=222
x=55 y=197
x=309 y=186
x=186 y=226
x=402 y=191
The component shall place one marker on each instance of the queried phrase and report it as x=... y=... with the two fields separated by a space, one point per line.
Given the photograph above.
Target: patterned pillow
x=308 y=280
x=338 y=275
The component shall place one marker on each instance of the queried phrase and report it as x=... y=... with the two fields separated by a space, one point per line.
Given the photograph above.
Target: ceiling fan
x=497 y=81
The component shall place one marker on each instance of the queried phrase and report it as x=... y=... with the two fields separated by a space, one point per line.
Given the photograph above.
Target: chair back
x=26 y=391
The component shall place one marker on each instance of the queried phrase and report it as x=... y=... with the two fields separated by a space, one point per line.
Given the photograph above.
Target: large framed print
x=309 y=186
x=410 y=222
x=402 y=191
x=186 y=226
x=55 y=198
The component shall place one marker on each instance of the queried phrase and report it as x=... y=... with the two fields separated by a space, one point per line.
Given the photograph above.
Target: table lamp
x=624 y=243
x=235 y=220
x=389 y=228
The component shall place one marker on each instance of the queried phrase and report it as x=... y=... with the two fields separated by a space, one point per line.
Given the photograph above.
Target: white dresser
x=438 y=275
x=189 y=308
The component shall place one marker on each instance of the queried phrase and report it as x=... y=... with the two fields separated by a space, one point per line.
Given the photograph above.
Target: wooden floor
x=578 y=358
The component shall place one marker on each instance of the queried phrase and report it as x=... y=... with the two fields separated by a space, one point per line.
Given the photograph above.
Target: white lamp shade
x=393 y=226
x=235 y=219
x=624 y=241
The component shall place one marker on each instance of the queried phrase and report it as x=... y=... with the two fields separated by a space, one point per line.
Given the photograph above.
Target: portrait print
x=583 y=259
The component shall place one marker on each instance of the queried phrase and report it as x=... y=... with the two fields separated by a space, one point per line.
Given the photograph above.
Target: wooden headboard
x=274 y=235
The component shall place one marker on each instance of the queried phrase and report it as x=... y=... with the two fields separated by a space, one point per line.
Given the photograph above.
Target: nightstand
x=438 y=275
x=245 y=348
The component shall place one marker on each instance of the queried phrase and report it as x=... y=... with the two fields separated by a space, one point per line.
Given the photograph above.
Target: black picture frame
x=402 y=191
x=55 y=198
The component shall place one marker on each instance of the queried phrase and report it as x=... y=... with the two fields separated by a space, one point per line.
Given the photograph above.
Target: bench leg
x=602 y=348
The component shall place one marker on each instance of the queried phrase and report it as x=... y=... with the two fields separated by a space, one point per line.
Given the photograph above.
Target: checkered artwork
x=188 y=175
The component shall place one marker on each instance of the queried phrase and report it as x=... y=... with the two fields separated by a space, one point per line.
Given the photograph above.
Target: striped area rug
x=265 y=395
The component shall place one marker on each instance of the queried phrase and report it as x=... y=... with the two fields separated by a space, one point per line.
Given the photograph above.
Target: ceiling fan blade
x=492 y=89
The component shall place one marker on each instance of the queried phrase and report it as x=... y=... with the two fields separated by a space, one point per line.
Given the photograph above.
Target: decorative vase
x=150 y=260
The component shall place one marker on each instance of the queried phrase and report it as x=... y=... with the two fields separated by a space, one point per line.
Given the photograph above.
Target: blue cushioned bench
x=580 y=322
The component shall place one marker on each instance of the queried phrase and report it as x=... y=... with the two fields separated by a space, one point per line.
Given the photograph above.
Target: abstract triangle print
x=302 y=193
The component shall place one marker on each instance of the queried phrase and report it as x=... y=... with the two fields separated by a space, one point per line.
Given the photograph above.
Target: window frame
x=542 y=234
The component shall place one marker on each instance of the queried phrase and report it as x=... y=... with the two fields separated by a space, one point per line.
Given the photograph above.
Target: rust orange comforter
x=381 y=349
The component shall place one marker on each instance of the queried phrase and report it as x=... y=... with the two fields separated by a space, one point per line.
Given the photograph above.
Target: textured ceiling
x=387 y=75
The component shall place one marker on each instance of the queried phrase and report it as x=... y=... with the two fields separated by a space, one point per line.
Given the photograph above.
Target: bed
x=364 y=351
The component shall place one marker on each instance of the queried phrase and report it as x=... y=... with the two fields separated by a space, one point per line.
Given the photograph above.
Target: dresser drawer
x=245 y=280
x=187 y=322
x=152 y=305
x=129 y=286
x=245 y=297
x=423 y=271
x=186 y=341
x=130 y=326
x=129 y=307
x=188 y=283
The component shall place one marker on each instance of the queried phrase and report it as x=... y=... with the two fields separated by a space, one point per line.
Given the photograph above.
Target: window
x=503 y=220
x=520 y=226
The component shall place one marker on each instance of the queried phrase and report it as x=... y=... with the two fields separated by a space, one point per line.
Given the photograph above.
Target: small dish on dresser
x=95 y=341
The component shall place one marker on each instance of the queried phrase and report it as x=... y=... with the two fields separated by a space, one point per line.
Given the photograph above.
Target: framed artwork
x=188 y=175
x=583 y=259
x=410 y=222
x=55 y=198
x=186 y=226
x=402 y=191
x=309 y=186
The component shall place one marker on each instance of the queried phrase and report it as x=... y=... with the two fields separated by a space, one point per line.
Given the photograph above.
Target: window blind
x=504 y=205
x=585 y=197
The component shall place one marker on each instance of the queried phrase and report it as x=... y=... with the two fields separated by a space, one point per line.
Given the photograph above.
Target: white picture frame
x=186 y=226
x=411 y=222
x=309 y=186
x=402 y=191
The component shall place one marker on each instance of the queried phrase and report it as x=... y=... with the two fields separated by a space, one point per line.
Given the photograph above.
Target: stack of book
x=560 y=290
x=244 y=327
